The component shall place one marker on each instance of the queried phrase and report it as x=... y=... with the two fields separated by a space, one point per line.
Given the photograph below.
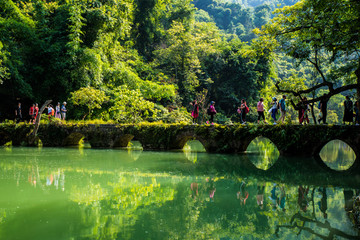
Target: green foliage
x=90 y=97
x=179 y=115
x=4 y=74
x=163 y=52
x=230 y=17
x=129 y=106
x=319 y=55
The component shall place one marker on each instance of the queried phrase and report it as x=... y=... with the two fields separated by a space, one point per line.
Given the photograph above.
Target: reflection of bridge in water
x=291 y=140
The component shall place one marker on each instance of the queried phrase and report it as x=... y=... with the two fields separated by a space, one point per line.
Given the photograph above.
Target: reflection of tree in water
x=262 y=153
x=352 y=206
x=333 y=232
x=118 y=204
x=299 y=221
x=338 y=155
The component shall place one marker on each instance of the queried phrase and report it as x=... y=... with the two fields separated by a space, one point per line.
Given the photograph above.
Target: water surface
x=71 y=193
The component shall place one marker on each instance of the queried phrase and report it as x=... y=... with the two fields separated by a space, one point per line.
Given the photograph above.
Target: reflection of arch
x=135 y=150
x=334 y=163
x=262 y=153
x=123 y=140
x=73 y=139
x=135 y=145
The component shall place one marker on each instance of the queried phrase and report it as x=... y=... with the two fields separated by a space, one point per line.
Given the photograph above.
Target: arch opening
x=338 y=155
x=192 y=148
x=262 y=152
x=123 y=141
x=74 y=139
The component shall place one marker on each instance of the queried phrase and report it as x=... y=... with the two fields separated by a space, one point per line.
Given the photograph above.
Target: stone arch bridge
x=291 y=140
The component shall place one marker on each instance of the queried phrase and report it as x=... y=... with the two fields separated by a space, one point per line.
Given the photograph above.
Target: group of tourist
x=33 y=112
x=351 y=111
x=243 y=110
x=58 y=112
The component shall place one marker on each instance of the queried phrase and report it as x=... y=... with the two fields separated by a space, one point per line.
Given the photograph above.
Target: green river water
x=81 y=193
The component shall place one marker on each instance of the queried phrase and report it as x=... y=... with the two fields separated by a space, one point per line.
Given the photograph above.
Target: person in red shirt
x=36 y=112
x=32 y=113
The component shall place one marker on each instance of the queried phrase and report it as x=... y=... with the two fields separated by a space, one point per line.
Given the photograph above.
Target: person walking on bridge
x=212 y=112
x=36 y=112
x=282 y=106
x=357 y=113
x=18 y=114
x=63 y=111
x=274 y=109
x=32 y=113
x=303 y=112
x=348 y=110
x=244 y=110
x=260 y=110
x=57 y=111
x=195 y=111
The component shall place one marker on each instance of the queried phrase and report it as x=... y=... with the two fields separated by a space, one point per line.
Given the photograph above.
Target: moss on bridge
x=289 y=139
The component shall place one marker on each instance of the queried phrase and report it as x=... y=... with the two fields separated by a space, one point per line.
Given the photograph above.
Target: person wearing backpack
x=212 y=112
x=244 y=110
x=323 y=110
x=348 y=111
x=260 y=110
x=240 y=114
x=357 y=113
x=195 y=111
x=303 y=112
x=274 y=109
x=282 y=105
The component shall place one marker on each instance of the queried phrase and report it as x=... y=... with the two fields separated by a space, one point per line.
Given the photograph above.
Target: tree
x=322 y=33
x=89 y=97
x=182 y=58
x=128 y=106
x=4 y=74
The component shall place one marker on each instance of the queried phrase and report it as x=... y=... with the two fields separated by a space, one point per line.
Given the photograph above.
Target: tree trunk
x=37 y=122
x=357 y=73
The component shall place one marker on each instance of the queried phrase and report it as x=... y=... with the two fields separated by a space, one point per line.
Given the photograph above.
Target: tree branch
x=316 y=65
x=326 y=97
x=37 y=122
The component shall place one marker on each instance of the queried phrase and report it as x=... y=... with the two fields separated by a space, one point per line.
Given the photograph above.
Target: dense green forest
x=145 y=60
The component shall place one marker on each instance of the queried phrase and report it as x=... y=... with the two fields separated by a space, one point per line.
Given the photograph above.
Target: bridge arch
x=318 y=147
x=245 y=142
x=4 y=138
x=182 y=139
x=73 y=139
x=122 y=141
